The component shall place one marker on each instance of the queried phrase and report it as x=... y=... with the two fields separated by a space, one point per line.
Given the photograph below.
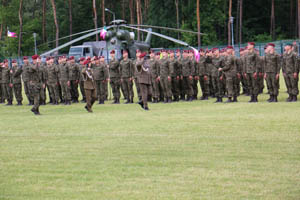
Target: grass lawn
x=197 y=150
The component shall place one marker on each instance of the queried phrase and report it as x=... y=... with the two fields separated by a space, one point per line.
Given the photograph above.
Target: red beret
x=25 y=58
x=5 y=61
x=178 y=51
x=201 y=50
x=86 y=62
x=13 y=61
x=142 y=55
x=112 y=52
x=151 y=52
x=271 y=44
x=157 y=54
x=229 y=47
x=251 y=43
x=82 y=59
x=101 y=57
x=34 y=57
x=71 y=58
x=48 y=58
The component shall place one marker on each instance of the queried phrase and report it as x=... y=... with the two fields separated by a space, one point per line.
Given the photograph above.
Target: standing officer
x=35 y=82
x=272 y=71
x=16 y=72
x=144 y=79
x=101 y=76
x=114 y=73
x=127 y=77
x=290 y=72
x=74 y=70
x=25 y=78
x=252 y=69
x=89 y=85
x=53 y=80
x=187 y=76
x=217 y=75
x=165 y=77
x=195 y=74
x=176 y=73
x=203 y=73
x=64 y=80
x=7 y=83
x=154 y=71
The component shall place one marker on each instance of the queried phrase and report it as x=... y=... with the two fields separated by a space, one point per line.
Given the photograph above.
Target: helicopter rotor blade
x=166 y=28
x=75 y=40
x=159 y=35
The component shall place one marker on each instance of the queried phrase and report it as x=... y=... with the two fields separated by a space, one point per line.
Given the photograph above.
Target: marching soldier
x=176 y=73
x=290 y=72
x=16 y=72
x=89 y=85
x=127 y=76
x=7 y=83
x=52 y=80
x=272 y=71
x=252 y=69
x=101 y=76
x=165 y=77
x=74 y=70
x=144 y=79
x=203 y=73
x=36 y=84
x=64 y=80
x=114 y=73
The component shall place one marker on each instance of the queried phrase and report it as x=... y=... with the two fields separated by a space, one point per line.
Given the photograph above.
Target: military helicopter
x=116 y=37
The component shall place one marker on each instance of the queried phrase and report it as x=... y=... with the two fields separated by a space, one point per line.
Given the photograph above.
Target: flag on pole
x=11 y=34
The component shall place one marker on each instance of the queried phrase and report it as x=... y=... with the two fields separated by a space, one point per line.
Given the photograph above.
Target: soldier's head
x=39 y=59
x=152 y=54
x=142 y=56
x=5 y=63
x=250 y=46
x=185 y=54
x=165 y=54
x=288 y=47
x=178 y=53
x=125 y=54
x=14 y=63
x=294 y=43
x=202 y=53
x=81 y=60
x=271 y=48
x=72 y=59
x=216 y=52
x=34 y=58
x=112 y=54
x=25 y=60
x=229 y=50
x=157 y=56
x=172 y=55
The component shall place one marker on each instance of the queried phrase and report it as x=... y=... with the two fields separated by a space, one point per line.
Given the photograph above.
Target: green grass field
x=183 y=151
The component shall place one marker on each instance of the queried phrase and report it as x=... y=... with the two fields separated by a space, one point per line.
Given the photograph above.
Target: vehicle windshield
x=75 y=51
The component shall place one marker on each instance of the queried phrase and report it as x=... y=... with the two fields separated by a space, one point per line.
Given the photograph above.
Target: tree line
x=254 y=20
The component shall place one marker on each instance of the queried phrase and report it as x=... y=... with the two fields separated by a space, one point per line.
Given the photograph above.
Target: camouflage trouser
x=291 y=84
x=214 y=85
x=204 y=84
x=81 y=84
x=43 y=94
x=166 y=86
x=65 y=90
x=244 y=84
x=188 y=88
x=7 y=92
x=195 y=87
x=28 y=92
x=53 y=90
x=181 y=88
x=128 y=88
x=100 y=87
x=272 y=83
x=155 y=88
x=115 y=86
x=18 y=92
x=145 y=91
x=74 y=90
x=261 y=83
x=36 y=90
x=137 y=87
x=175 y=87
x=123 y=91
x=91 y=97
x=253 y=84
x=221 y=87
x=231 y=85
x=106 y=90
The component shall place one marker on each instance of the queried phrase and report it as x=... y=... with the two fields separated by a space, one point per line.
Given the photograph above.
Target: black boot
x=294 y=98
x=218 y=100
x=166 y=100
x=289 y=99
x=270 y=99
x=118 y=101
x=19 y=103
x=275 y=98
x=170 y=100
x=229 y=100
x=141 y=104
x=255 y=99
x=252 y=99
x=235 y=99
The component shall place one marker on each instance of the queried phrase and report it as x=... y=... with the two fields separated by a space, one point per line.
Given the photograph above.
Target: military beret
x=178 y=51
x=14 y=61
x=101 y=57
x=25 y=58
x=151 y=52
x=71 y=58
x=112 y=52
x=157 y=54
x=48 y=58
x=86 y=62
x=5 y=61
x=142 y=55
x=251 y=43
x=82 y=59
x=34 y=57
x=229 y=47
x=271 y=44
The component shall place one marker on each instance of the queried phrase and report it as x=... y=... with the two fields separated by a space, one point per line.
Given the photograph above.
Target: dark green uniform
x=271 y=69
x=244 y=76
x=290 y=69
x=176 y=74
x=164 y=74
x=115 y=80
x=101 y=75
x=63 y=75
x=17 y=83
x=36 y=84
x=252 y=70
x=195 y=78
x=144 y=79
x=6 y=85
x=218 y=82
x=154 y=71
x=136 y=80
x=25 y=78
x=52 y=82
x=187 y=74
x=127 y=75
x=81 y=84
x=203 y=73
x=230 y=72
x=74 y=76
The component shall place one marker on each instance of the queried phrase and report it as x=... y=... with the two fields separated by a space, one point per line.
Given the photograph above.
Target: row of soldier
x=174 y=76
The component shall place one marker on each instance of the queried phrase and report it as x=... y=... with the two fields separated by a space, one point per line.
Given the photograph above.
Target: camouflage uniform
x=252 y=70
x=25 y=78
x=114 y=73
x=154 y=70
x=6 y=89
x=17 y=83
x=230 y=72
x=176 y=73
x=2 y=99
x=81 y=84
x=52 y=82
x=74 y=76
x=187 y=73
x=63 y=75
x=165 y=74
x=218 y=78
x=127 y=74
x=35 y=86
x=203 y=73
x=101 y=75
